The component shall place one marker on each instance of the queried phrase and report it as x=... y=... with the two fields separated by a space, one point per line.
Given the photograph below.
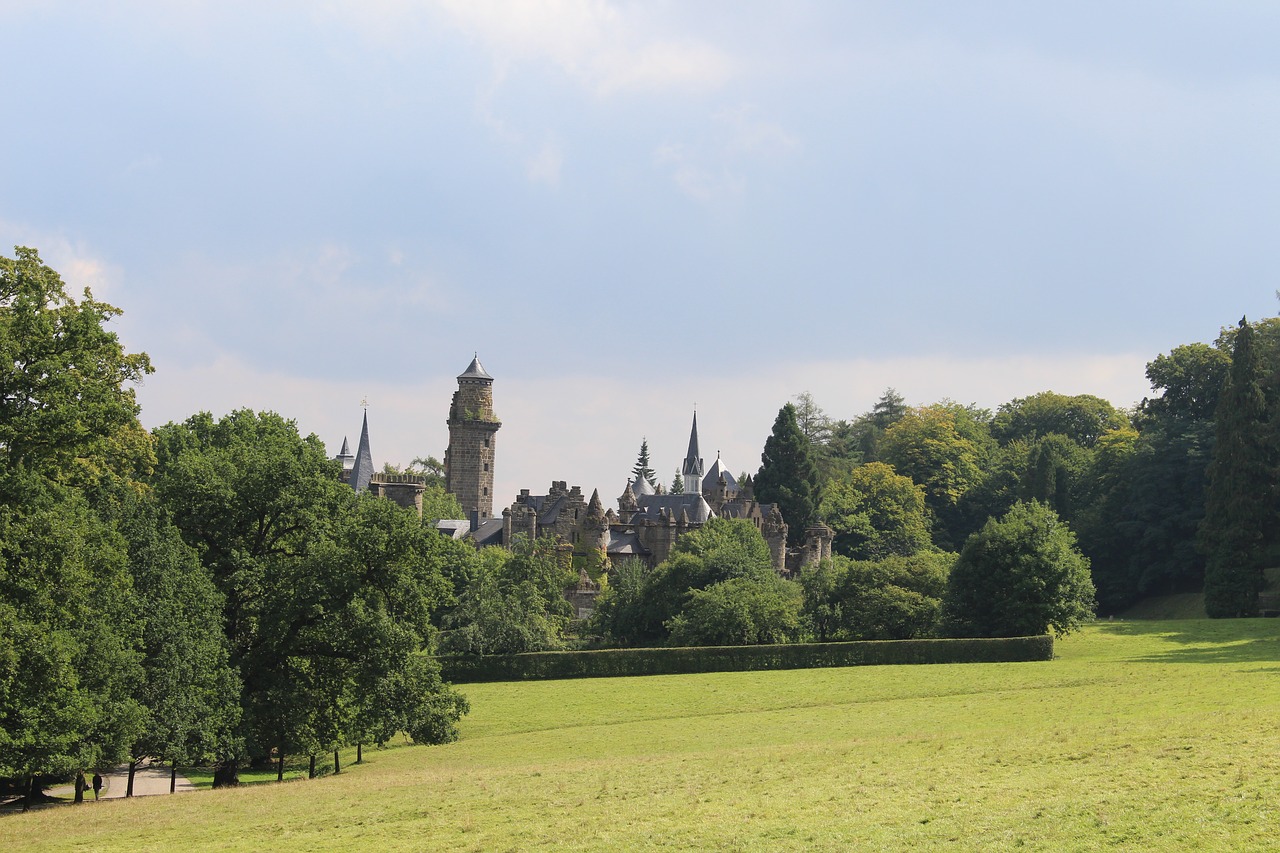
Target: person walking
x=97 y=784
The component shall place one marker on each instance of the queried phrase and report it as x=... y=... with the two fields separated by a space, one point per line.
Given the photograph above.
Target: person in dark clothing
x=97 y=784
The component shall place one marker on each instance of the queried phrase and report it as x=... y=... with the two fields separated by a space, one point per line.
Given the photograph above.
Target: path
x=148 y=779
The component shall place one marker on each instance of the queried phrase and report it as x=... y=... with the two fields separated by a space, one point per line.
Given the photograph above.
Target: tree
x=897 y=598
x=740 y=611
x=1020 y=575
x=875 y=513
x=640 y=604
x=323 y=588
x=1240 y=502
x=67 y=408
x=642 y=470
x=1082 y=418
x=70 y=629
x=677 y=484
x=927 y=445
x=788 y=475
x=512 y=602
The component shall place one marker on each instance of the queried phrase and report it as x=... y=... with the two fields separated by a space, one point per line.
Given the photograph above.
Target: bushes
x=610 y=663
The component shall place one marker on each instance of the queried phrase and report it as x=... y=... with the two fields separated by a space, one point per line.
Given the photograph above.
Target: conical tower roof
x=362 y=471
x=475 y=370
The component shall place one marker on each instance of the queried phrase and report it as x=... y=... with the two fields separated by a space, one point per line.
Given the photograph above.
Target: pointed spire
x=691 y=471
x=475 y=370
x=362 y=471
x=346 y=448
x=595 y=509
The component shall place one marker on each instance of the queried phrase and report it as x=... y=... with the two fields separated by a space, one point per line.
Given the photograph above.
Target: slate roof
x=641 y=487
x=475 y=370
x=714 y=473
x=362 y=471
x=624 y=543
x=693 y=459
x=693 y=505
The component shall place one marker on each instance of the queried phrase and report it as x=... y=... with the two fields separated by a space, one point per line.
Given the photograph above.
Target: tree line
x=210 y=592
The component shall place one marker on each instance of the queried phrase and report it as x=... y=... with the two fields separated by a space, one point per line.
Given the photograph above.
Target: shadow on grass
x=1205 y=640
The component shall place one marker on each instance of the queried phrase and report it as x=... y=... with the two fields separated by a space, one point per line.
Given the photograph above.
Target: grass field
x=1142 y=735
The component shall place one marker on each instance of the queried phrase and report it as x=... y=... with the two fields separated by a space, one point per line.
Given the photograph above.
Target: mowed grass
x=1142 y=735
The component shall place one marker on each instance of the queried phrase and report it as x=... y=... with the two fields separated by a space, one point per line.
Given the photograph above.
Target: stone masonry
x=468 y=462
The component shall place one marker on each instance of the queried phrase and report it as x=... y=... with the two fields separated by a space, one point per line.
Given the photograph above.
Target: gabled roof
x=363 y=469
x=475 y=370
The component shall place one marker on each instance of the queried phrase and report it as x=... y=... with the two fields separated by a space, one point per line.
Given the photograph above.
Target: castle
x=644 y=526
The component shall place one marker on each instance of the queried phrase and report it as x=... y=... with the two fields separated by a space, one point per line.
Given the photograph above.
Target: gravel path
x=148 y=780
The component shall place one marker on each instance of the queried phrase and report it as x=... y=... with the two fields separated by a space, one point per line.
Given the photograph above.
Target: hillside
x=1141 y=735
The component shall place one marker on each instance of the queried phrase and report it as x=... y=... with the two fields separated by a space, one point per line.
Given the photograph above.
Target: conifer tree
x=1241 y=489
x=788 y=475
x=642 y=468
x=677 y=485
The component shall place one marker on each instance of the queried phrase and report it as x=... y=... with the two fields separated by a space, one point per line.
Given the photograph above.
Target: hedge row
x=606 y=663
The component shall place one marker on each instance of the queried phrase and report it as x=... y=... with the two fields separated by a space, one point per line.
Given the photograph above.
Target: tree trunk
x=226 y=774
x=80 y=786
x=280 y=768
x=31 y=792
x=311 y=771
x=359 y=753
x=337 y=765
x=173 y=777
x=128 y=791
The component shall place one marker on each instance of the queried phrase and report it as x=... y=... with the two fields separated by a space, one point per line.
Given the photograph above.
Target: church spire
x=691 y=472
x=362 y=471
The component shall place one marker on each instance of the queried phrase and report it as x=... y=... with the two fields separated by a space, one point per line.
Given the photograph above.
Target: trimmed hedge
x=609 y=663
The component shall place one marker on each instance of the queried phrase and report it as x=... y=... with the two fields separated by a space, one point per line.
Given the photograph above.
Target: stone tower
x=468 y=462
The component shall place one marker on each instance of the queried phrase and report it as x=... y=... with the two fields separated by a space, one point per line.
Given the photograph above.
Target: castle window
x=486 y=466
x=486 y=491
x=486 y=442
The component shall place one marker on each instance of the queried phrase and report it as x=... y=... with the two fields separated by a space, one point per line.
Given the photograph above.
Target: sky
x=632 y=210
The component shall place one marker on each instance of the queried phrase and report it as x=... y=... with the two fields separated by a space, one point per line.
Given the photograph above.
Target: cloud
x=79 y=265
x=604 y=48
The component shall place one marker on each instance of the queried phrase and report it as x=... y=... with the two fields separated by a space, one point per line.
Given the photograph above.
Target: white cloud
x=604 y=48
x=79 y=265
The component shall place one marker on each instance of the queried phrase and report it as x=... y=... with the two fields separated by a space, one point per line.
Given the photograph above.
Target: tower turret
x=362 y=469
x=473 y=427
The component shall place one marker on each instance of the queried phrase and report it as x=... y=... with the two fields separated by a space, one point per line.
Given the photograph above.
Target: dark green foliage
x=1019 y=575
x=70 y=661
x=613 y=663
x=639 y=604
x=897 y=598
x=328 y=594
x=1240 y=505
x=511 y=601
x=643 y=470
x=621 y=612
x=788 y=475
x=740 y=611
x=874 y=513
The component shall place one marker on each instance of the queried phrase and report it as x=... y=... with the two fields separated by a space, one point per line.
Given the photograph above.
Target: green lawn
x=1142 y=735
